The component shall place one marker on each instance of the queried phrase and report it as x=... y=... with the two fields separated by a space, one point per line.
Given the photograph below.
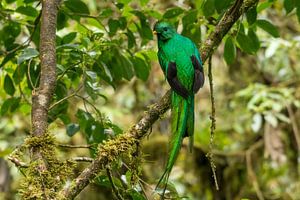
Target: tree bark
x=156 y=110
x=41 y=97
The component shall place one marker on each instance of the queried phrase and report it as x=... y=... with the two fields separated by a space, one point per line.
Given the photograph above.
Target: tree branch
x=124 y=142
x=42 y=95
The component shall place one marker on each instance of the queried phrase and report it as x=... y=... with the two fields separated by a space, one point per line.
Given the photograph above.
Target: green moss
x=112 y=149
x=123 y=148
x=46 y=174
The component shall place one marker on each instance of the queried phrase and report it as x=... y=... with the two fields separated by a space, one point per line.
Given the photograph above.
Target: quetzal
x=181 y=63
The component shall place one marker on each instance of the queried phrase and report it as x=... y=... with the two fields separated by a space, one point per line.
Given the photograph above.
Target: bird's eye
x=165 y=28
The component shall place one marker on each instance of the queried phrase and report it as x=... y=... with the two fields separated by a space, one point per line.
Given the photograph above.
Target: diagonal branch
x=124 y=142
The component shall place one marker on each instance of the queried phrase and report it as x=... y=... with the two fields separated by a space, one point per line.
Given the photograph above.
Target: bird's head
x=164 y=31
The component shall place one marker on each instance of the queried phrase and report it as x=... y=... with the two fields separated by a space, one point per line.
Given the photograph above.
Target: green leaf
x=130 y=39
x=27 y=10
x=173 y=12
x=122 y=23
x=155 y=14
x=9 y=1
x=289 y=5
x=113 y=26
x=77 y=6
x=9 y=85
x=106 y=12
x=61 y=90
x=65 y=118
x=190 y=17
x=126 y=67
x=57 y=111
x=19 y=73
x=83 y=117
x=190 y=28
x=5 y=106
x=10 y=104
x=254 y=40
x=244 y=42
x=27 y=54
x=264 y=5
x=61 y=20
x=208 y=8
x=141 y=68
x=268 y=27
x=193 y=32
x=7 y=58
x=124 y=1
x=104 y=181
x=119 y=5
x=144 y=29
x=69 y=38
x=135 y=195
x=102 y=72
x=298 y=14
x=144 y=2
x=95 y=132
x=251 y=15
x=29 y=1
x=229 y=51
x=13 y=29
x=72 y=129
x=221 y=5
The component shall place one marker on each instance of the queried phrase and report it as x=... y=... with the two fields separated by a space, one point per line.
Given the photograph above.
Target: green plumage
x=175 y=48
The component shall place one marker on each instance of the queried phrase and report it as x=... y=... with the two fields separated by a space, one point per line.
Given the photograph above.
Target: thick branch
x=41 y=96
x=113 y=148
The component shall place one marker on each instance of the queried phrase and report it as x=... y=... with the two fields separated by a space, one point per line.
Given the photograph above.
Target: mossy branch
x=110 y=150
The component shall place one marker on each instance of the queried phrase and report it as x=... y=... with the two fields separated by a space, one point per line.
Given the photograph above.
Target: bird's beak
x=154 y=32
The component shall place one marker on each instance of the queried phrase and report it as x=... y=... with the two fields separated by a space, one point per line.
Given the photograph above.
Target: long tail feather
x=190 y=123
x=180 y=111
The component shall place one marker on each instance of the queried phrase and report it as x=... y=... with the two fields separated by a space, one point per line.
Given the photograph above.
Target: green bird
x=181 y=63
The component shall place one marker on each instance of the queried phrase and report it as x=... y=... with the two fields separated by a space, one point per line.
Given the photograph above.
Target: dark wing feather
x=198 y=74
x=174 y=82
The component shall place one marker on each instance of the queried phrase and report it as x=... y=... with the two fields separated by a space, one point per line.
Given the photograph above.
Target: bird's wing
x=174 y=81
x=170 y=70
x=198 y=74
x=198 y=70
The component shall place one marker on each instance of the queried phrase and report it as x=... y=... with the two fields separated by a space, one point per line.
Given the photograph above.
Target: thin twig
x=28 y=74
x=85 y=100
x=114 y=188
x=66 y=70
x=250 y=170
x=17 y=162
x=67 y=97
x=294 y=125
x=210 y=154
x=88 y=146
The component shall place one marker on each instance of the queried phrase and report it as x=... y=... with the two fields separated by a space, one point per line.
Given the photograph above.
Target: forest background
x=84 y=104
